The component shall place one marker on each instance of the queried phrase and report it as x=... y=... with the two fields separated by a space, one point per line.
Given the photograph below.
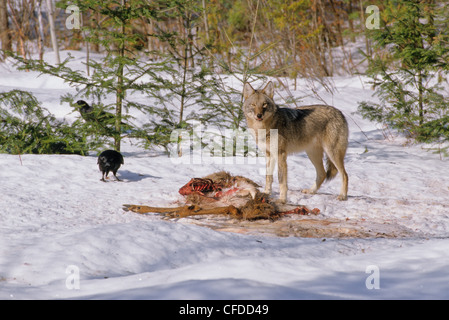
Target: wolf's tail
x=331 y=169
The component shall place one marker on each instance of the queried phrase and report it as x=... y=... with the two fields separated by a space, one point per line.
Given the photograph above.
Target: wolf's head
x=258 y=105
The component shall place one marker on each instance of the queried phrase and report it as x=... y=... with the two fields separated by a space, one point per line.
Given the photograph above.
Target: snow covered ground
x=63 y=233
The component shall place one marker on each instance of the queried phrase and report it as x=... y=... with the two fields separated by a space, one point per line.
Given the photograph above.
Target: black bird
x=89 y=113
x=109 y=160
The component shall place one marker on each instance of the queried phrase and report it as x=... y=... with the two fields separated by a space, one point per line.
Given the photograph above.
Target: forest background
x=175 y=51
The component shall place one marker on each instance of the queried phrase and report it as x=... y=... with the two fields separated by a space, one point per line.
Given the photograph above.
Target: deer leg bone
x=181 y=212
x=147 y=209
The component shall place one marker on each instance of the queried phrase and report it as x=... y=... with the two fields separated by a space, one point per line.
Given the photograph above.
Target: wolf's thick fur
x=315 y=129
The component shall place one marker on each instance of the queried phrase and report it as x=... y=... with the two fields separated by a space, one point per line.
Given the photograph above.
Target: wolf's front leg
x=282 y=176
x=270 y=163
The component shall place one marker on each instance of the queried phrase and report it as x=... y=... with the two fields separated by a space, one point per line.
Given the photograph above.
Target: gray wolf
x=315 y=129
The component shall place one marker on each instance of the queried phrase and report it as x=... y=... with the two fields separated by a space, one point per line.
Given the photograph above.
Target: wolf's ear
x=247 y=91
x=269 y=90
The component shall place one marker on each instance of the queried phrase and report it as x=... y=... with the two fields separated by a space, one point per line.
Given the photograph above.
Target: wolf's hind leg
x=339 y=163
x=316 y=157
x=337 y=157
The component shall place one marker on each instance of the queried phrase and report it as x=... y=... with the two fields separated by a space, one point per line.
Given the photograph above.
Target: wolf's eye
x=264 y=106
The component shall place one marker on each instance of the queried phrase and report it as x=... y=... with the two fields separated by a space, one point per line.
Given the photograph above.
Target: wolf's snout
x=259 y=116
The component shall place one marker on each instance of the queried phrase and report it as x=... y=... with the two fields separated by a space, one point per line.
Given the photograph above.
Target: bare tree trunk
x=206 y=24
x=41 y=37
x=327 y=38
x=294 y=73
x=54 y=40
x=5 y=36
x=149 y=29
x=87 y=45
x=319 y=37
x=351 y=23
x=337 y=15
x=19 y=27
x=184 y=79
x=120 y=93
x=421 y=98
x=94 y=16
x=362 y=24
